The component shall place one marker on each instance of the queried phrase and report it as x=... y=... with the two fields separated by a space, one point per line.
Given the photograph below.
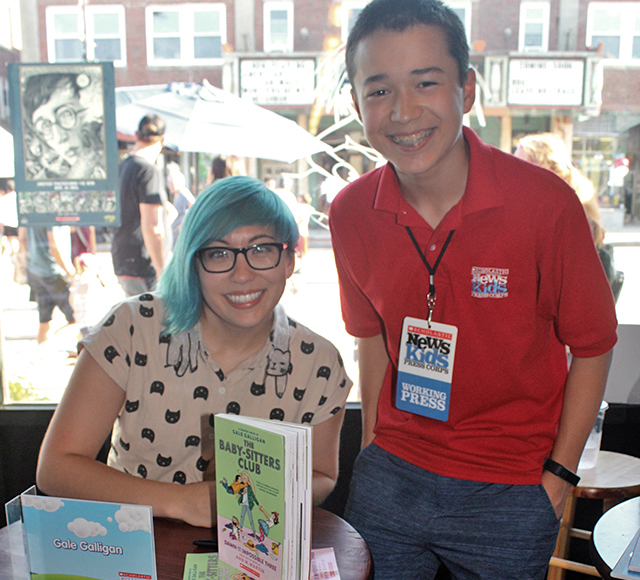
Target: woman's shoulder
x=308 y=341
x=145 y=309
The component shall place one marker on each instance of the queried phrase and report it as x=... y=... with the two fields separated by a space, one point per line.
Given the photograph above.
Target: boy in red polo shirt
x=465 y=273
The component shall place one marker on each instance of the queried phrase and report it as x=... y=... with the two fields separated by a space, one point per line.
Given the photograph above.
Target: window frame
x=467 y=6
x=344 y=15
x=90 y=10
x=629 y=11
x=269 y=7
x=185 y=33
x=522 y=22
x=351 y=4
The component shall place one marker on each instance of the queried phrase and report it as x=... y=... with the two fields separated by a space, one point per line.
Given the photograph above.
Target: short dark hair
x=398 y=16
x=151 y=128
x=39 y=88
x=220 y=168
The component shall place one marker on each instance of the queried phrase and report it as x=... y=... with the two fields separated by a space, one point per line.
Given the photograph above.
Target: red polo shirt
x=515 y=221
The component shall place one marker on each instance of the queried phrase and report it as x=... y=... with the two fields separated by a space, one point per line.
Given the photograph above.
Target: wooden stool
x=614 y=478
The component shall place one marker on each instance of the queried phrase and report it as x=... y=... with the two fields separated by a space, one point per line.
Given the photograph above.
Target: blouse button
x=433 y=247
x=222 y=390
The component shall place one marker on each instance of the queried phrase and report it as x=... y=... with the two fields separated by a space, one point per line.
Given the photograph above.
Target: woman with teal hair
x=213 y=339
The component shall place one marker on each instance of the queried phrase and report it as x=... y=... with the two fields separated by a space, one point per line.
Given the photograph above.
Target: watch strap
x=560 y=471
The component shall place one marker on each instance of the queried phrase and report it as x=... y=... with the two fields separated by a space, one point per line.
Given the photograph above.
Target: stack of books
x=264 y=504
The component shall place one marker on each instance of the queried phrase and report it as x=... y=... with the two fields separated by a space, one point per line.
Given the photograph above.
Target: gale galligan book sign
x=65 y=143
x=264 y=472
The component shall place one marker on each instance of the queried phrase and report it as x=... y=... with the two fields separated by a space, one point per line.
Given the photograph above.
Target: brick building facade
x=159 y=41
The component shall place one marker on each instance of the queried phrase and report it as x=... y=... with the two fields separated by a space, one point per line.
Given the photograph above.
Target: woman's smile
x=244 y=299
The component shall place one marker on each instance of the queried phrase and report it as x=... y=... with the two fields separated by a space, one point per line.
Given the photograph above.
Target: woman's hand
x=196 y=503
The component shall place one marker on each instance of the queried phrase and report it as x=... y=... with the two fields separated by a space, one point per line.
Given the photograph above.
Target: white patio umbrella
x=6 y=154
x=204 y=118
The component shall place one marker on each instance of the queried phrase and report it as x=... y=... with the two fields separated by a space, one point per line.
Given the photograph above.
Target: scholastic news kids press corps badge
x=425 y=368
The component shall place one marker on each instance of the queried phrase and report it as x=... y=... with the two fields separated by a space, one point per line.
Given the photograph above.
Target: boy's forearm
x=583 y=394
x=584 y=390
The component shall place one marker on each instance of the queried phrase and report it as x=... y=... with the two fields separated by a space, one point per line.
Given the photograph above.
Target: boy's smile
x=408 y=95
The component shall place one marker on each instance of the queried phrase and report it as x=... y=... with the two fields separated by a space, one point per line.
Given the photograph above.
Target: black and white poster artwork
x=65 y=139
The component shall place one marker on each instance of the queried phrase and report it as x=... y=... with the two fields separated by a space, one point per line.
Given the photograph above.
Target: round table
x=612 y=534
x=174 y=539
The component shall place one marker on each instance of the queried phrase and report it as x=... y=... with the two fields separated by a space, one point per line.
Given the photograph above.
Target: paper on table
x=323 y=564
x=621 y=569
x=209 y=567
x=634 y=561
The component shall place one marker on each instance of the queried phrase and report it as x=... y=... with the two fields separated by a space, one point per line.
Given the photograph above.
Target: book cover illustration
x=88 y=540
x=250 y=499
x=209 y=567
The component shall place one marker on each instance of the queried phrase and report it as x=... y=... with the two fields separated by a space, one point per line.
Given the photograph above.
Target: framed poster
x=66 y=148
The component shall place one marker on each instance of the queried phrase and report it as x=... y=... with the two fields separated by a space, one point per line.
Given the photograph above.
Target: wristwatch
x=561 y=471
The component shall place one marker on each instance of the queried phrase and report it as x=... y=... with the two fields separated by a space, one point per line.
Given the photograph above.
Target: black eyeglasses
x=219 y=259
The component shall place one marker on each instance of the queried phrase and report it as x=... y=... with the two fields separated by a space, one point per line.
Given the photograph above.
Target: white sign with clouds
x=39 y=502
x=131 y=518
x=84 y=529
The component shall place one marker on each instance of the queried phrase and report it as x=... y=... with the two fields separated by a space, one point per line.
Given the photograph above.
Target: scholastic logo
x=428 y=349
x=489 y=282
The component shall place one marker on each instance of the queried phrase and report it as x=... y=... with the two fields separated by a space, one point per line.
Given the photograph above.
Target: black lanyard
x=431 y=295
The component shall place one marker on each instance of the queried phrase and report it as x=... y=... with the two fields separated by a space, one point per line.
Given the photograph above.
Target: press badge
x=425 y=368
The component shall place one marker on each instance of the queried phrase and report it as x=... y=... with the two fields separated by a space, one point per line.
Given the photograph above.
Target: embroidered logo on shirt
x=489 y=282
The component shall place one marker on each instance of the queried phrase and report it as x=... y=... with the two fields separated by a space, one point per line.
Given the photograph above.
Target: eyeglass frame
x=57 y=113
x=280 y=245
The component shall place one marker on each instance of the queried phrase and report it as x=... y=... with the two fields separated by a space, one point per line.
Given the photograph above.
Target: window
x=186 y=34
x=5 y=27
x=10 y=34
x=350 y=11
x=278 y=26
x=105 y=32
x=617 y=27
x=534 y=27
x=462 y=8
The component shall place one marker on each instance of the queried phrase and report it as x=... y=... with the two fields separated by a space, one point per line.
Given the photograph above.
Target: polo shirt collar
x=482 y=191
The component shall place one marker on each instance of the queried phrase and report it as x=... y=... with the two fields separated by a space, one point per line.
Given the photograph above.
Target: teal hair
x=225 y=206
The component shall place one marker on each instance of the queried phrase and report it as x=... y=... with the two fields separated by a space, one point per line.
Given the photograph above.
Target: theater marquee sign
x=527 y=82
x=546 y=82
